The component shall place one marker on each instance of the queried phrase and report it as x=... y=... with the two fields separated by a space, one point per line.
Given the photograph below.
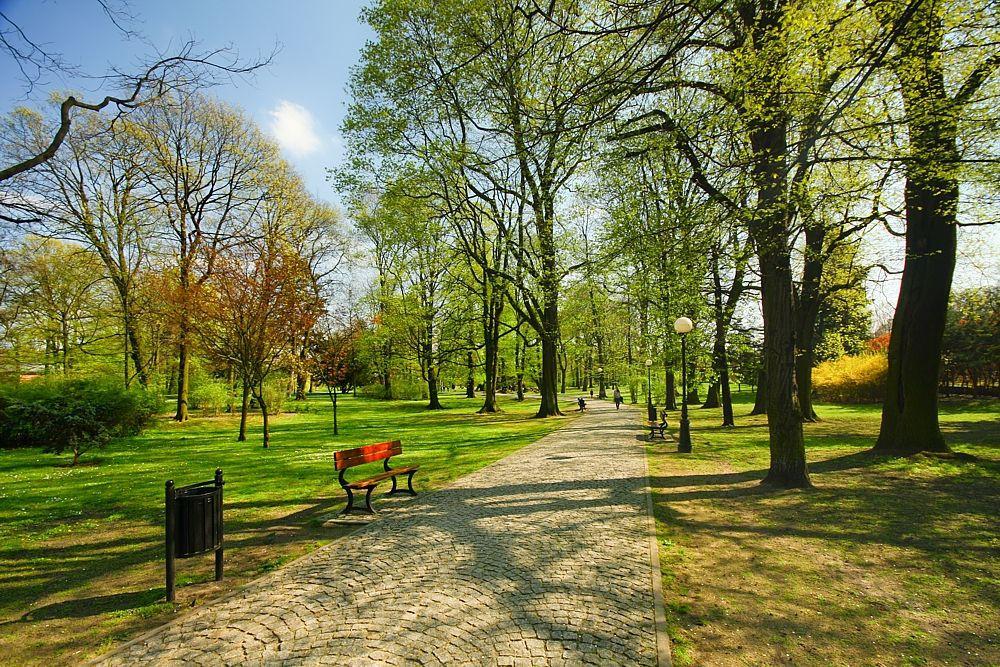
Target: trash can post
x=171 y=526
x=218 y=510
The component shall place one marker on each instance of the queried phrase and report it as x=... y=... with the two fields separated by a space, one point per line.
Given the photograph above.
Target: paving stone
x=541 y=558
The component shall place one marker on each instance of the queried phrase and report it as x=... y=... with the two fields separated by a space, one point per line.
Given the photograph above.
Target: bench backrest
x=349 y=458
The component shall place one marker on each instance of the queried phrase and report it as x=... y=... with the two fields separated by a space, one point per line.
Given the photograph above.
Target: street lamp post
x=600 y=379
x=683 y=326
x=650 y=410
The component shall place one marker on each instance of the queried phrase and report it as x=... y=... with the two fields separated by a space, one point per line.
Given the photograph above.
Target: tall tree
x=205 y=165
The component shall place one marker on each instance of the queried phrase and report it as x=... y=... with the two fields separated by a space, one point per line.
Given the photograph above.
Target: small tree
x=332 y=359
x=255 y=308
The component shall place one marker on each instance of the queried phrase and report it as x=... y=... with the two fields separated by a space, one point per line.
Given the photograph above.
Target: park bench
x=658 y=426
x=382 y=451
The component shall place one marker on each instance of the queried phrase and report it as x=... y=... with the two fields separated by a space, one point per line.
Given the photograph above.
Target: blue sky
x=300 y=99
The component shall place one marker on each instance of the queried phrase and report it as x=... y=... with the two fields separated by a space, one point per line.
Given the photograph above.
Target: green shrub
x=211 y=396
x=275 y=393
x=852 y=379
x=75 y=415
x=400 y=390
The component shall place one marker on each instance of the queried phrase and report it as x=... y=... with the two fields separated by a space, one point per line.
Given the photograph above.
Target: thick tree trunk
x=670 y=385
x=712 y=399
x=432 y=386
x=784 y=421
x=910 y=411
x=549 y=334
x=549 y=381
x=771 y=236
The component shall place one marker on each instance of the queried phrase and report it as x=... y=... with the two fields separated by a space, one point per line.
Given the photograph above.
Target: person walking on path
x=618 y=398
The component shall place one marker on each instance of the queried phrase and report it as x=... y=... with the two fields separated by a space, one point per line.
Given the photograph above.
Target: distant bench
x=658 y=426
x=383 y=451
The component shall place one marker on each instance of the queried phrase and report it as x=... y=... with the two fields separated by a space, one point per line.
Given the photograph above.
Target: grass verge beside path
x=885 y=562
x=81 y=549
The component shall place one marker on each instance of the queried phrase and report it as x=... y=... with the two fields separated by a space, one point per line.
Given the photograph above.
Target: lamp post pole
x=600 y=379
x=650 y=410
x=683 y=326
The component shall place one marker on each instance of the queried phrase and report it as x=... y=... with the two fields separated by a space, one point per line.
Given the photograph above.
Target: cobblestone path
x=542 y=558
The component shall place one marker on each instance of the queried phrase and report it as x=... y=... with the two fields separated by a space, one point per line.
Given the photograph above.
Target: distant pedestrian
x=618 y=398
x=591 y=392
x=582 y=403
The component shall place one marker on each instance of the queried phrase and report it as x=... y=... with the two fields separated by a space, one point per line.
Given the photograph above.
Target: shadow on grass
x=83 y=607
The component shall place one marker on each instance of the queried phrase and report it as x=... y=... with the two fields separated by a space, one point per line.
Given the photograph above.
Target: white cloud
x=294 y=128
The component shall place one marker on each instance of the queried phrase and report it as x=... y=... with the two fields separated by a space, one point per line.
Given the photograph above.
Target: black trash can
x=199 y=519
x=194 y=524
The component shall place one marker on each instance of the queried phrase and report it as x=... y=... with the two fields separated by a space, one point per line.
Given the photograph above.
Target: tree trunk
x=244 y=409
x=432 y=385
x=807 y=310
x=263 y=411
x=549 y=381
x=712 y=400
x=670 y=385
x=549 y=334
x=183 y=363
x=332 y=391
x=910 y=411
x=562 y=368
x=491 y=354
x=728 y=419
x=64 y=336
x=301 y=374
x=771 y=237
x=470 y=380
x=760 y=397
x=804 y=361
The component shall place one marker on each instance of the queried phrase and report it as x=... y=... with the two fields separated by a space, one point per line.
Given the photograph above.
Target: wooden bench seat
x=382 y=451
x=373 y=481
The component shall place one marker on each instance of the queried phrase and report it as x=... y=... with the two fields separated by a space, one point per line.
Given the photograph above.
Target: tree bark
x=760 y=397
x=470 y=380
x=910 y=411
x=807 y=310
x=493 y=309
x=259 y=395
x=670 y=385
x=768 y=138
x=548 y=386
x=183 y=363
x=712 y=399
x=244 y=409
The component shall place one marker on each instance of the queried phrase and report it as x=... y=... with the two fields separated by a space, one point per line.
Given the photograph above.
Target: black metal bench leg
x=393 y=489
x=350 y=501
x=409 y=483
x=368 y=500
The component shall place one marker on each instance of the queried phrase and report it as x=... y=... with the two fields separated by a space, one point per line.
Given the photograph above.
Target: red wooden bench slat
x=377 y=452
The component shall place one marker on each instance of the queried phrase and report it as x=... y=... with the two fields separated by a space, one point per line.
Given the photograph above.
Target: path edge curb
x=663 y=652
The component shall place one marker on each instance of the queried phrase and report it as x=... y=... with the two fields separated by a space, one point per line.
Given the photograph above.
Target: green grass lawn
x=884 y=562
x=81 y=549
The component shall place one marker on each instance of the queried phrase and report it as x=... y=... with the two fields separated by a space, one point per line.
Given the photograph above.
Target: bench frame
x=382 y=451
x=655 y=426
